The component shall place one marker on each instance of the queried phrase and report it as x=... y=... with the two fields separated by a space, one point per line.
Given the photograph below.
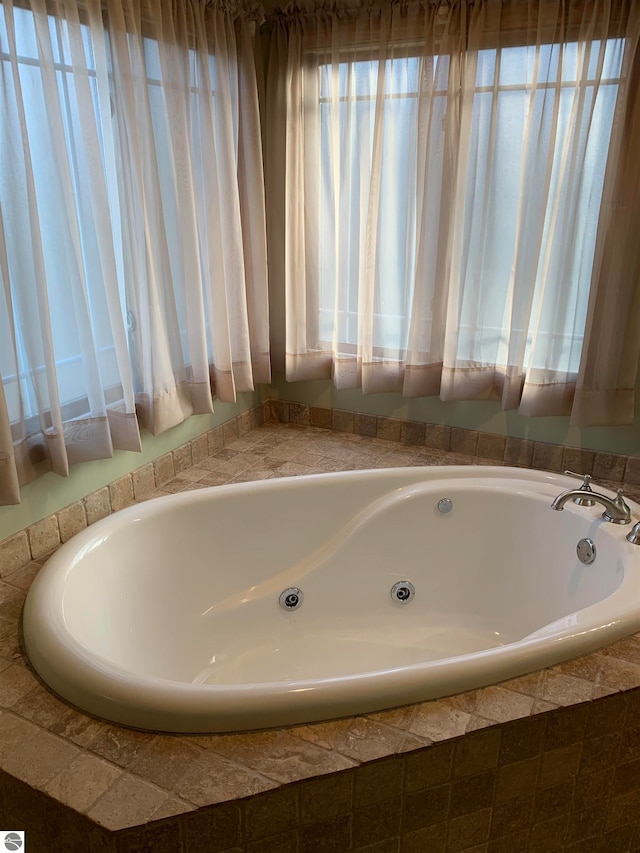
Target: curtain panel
x=133 y=283
x=453 y=190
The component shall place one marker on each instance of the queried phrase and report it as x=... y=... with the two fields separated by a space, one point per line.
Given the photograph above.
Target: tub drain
x=586 y=551
x=402 y=592
x=291 y=599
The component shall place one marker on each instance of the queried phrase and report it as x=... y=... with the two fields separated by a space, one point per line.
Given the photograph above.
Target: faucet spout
x=615 y=509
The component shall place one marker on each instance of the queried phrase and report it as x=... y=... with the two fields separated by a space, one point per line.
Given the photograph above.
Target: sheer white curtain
x=444 y=175
x=132 y=235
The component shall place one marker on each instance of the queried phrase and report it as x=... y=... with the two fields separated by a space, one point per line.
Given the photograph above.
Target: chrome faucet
x=615 y=509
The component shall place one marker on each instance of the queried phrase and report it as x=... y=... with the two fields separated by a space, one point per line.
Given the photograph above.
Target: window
x=70 y=290
x=45 y=217
x=500 y=105
x=445 y=166
x=132 y=233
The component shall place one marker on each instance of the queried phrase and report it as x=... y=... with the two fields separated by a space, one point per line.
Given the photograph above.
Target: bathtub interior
x=195 y=584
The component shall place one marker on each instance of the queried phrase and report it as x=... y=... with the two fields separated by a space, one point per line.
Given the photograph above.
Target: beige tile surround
x=549 y=761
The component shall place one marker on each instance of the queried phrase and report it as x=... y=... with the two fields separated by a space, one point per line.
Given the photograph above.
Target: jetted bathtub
x=286 y=601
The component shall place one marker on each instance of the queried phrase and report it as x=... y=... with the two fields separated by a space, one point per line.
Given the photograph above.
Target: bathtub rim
x=291 y=702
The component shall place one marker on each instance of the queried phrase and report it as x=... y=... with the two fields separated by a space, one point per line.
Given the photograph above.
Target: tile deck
x=120 y=778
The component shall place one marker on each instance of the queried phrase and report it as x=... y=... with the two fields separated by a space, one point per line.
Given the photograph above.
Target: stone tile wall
x=153 y=479
x=608 y=468
x=566 y=780
x=168 y=472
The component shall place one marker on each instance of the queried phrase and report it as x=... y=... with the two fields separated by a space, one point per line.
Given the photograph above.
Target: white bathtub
x=166 y=616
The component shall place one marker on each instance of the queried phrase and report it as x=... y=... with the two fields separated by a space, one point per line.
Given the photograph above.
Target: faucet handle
x=585 y=487
x=586 y=478
x=620 y=501
x=624 y=511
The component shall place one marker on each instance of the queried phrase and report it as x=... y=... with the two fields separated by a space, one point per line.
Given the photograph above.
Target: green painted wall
x=52 y=492
x=484 y=416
